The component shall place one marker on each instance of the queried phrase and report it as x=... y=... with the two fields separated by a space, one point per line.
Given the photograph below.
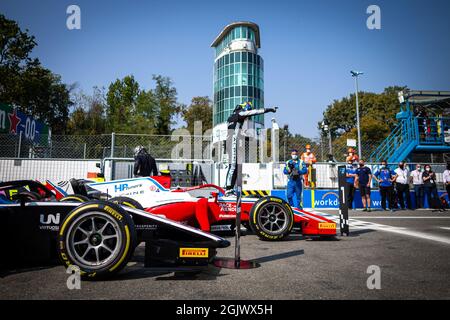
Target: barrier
x=329 y=198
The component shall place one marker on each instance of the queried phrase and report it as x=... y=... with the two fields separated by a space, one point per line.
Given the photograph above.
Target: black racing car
x=97 y=236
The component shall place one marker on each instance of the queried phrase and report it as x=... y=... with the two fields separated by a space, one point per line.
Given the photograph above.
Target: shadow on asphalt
x=357 y=233
x=163 y=274
x=279 y=256
x=12 y=270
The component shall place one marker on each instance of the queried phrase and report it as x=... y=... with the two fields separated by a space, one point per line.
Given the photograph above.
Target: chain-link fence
x=177 y=146
x=106 y=145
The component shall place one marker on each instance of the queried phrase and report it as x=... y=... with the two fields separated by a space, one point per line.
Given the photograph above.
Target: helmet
x=351 y=150
x=308 y=146
x=246 y=106
x=138 y=149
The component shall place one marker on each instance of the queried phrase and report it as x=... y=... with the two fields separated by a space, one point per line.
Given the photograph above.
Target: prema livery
x=271 y=218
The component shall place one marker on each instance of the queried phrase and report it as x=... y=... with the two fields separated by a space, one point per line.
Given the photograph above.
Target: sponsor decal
x=227 y=216
x=193 y=252
x=227 y=206
x=114 y=213
x=221 y=227
x=329 y=199
x=146 y=226
x=324 y=225
x=49 y=222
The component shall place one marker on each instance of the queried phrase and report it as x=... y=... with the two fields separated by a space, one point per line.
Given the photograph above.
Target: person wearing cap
x=294 y=169
x=235 y=122
x=309 y=159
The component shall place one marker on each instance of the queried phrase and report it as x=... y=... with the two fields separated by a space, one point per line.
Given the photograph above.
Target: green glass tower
x=238 y=73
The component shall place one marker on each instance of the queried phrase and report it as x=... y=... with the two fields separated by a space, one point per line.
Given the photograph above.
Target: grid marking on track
x=386 y=228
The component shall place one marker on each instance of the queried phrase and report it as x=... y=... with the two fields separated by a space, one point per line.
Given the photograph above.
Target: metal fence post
x=113 y=141
x=20 y=144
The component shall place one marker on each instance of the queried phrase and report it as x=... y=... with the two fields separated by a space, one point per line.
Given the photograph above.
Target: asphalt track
x=411 y=248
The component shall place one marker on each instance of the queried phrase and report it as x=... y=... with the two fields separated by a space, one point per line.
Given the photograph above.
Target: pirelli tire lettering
x=75 y=198
x=99 y=237
x=127 y=201
x=271 y=219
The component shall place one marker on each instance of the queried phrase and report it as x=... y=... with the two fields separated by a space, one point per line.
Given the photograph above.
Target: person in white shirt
x=446 y=178
x=402 y=185
x=417 y=181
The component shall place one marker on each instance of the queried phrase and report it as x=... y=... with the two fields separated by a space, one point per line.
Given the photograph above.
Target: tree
x=377 y=118
x=88 y=117
x=146 y=108
x=25 y=83
x=121 y=99
x=168 y=107
x=200 y=109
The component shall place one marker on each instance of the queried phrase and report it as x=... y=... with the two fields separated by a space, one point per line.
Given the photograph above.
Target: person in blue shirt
x=363 y=181
x=350 y=173
x=386 y=178
x=295 y=169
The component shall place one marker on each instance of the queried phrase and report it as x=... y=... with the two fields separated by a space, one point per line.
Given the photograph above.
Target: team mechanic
x=295 y=169
x=235 y=122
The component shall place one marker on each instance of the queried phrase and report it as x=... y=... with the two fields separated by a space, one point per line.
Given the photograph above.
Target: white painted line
x=445 y=228
x=399 y=217
x=358 y=224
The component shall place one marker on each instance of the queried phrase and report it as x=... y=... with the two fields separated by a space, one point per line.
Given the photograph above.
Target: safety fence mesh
x=179 y=146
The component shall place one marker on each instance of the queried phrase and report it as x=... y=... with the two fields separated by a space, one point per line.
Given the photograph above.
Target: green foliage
x=126 y=108
x=88 y=117
x=121 y=99
x=168 y=107
x=200 y=109
x=377 y=117
x=25 y=83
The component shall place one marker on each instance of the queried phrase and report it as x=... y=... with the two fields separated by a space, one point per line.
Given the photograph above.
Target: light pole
x=326 y=128
x=356 y=74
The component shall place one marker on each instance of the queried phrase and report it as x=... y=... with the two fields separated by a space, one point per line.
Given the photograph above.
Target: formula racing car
x=271 y=218
x=98 y=237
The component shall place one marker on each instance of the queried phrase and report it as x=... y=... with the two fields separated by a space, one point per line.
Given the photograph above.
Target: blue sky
x=309 y=47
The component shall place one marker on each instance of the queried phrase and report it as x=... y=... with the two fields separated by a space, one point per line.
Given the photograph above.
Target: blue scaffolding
x=417 y=131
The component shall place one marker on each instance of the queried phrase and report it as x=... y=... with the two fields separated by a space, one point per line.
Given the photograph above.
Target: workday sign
x=15 y=122
x=327 y=200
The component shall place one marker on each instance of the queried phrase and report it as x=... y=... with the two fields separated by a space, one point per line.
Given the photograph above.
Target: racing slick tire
x=97 y=237
x=75 y=198
x=271 y=218
x=126 y=201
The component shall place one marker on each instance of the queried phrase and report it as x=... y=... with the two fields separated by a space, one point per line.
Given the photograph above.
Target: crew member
x=350 y=174
x=309 y=159
x=363 y=181
x=352 y=156
x=385 y=178
x=144 y=163
x=402 y=185
x=295 y=168
x=235 y=122
x=417 y=181
x=446 y=178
